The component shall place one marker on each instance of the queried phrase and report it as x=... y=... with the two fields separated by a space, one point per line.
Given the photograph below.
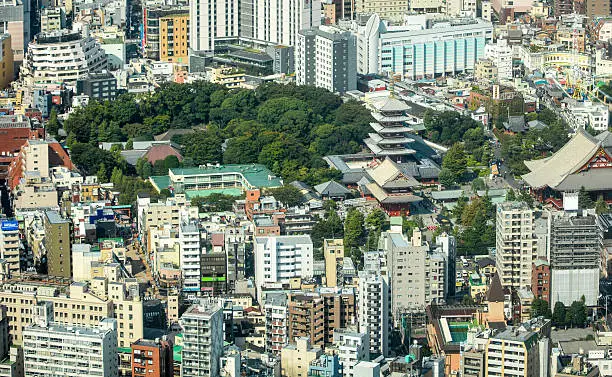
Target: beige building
x=333 y=251
x=388 y=9
x=295 y=359
x=36 y=194
x=228 y=76
x=52 y=19
x=516 y=244
x=75 y=305
x=485 y=71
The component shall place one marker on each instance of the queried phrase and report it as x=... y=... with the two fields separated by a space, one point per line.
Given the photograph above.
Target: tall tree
x=559 y=314
x=584 y=199
x=455 y=160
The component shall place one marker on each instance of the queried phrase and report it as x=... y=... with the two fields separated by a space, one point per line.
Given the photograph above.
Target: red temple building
x=585 y=161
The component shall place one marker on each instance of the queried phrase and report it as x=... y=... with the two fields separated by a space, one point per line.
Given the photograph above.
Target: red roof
x=161 y=151
x=217 y=239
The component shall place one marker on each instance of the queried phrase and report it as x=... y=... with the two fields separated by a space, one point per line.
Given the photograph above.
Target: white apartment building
x=211 y=20
x=374 y=303
x=189 y=243
x=501 y=55
x=516 y=244
x=10 y=245
x=54 y=349
x=281 y=258
x=62 y=57
x=353 y=347
x=202 y=340
x=326 y=57
x=275 y=21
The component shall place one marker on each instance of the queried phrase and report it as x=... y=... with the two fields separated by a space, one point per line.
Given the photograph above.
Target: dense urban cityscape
x=305 y=188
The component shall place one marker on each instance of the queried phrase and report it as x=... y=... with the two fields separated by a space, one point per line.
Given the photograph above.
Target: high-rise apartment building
x=326 y=58
x=166 y=32
x=190 y=251
x=211 y=20
x=446 y=245
x=518 y=351
x=374 y=303
x=540 y=280
x=152 y=358
x=202 y=340
x=234 y=246
x=340 y=310
x=277 y=321
x=281 y=258
x=500 y=53
x=353 y=347
x=54 y=349
x=412 y=264
x=516 y=244
x=276 y=21
x=57 y=244
x=7 y=69
x=333 y=252
x=9 y=245
x=306 y=318
x=575 y=249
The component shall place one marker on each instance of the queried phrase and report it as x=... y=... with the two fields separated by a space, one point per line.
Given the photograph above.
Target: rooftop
x=257 y=175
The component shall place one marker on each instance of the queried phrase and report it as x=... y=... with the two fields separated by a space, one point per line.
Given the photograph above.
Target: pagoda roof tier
x=584 y=161
x=377 y=150
x=390 y=140
x=391 y=119
x=382 y=129
x=390 y=104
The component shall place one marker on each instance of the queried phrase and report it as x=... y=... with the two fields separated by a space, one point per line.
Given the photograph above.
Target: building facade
x=166 y=33
x=53 y=349
x=152 y=358
x=278 y=259
x=439 y=49
x=62 y=57
x=57 y=244
x=575 y=249
x=326 y=58
x=7 y=73
x=516 y=244
x=202 y=340
x=374 y=303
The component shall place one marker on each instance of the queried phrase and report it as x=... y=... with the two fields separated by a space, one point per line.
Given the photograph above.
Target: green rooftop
x=160 y=182
x=256 y=174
